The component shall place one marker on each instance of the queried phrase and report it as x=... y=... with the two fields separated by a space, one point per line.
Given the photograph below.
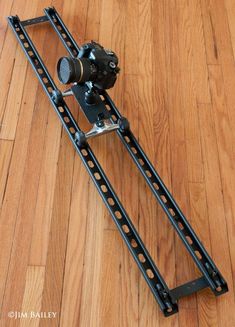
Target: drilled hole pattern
x=44 y=77
x=173 y=212
x=121 y=219
x=119 y=215
x=33 y=57
x=66 y=38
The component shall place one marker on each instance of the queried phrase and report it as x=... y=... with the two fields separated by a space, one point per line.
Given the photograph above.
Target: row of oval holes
x=31 y=54
x=97 y=175
x=118 y=214
x=45 y=79
x=64 y=35
x=188 y=238
x=90 y=163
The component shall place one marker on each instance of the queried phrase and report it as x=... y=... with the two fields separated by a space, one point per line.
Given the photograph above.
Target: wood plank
x=5 y=9
x=211 y=43
x=55 y=264
x=46 y=189
x=43 y=209
x=16 y=171
x=32 y=295
x=216 y=211
x=188 y=91
x=89 y=277
x=206 y=301
x=148 y=311
x=23 y=225
x=76 y=245
x=185 y=269
x=109 y=286
x=230 y=9
x=182 y=119
x=7 y=59
x=161 y=18
x=5 y=158
x=114 y=163
x=129 y=273
x=200 y=71
x=12 y=103
x=93 y=25
x=25 y=214
x=219 y=40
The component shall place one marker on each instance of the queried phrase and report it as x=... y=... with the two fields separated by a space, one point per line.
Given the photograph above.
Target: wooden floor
x=60 y=250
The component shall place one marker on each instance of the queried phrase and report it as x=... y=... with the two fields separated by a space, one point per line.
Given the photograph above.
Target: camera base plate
x=93 y=112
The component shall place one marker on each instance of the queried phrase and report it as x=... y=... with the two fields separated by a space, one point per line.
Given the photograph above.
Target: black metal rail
x=167 y=299
x=118 y=213
x=173 y=212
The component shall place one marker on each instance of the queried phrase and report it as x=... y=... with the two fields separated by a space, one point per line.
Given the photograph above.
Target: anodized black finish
x=168 y=204
x=118 y=213
x=93 y=112
x=188 y=288
x=167 y=299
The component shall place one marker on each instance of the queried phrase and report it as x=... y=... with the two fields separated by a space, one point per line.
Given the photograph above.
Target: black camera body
x=93 y=64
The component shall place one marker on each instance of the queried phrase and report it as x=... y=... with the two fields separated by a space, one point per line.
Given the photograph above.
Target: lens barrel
x=70 y=70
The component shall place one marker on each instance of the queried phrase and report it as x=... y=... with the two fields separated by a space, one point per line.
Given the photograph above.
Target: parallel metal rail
x=167 y=299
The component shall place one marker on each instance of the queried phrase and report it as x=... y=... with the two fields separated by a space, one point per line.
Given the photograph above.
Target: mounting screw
x=124 y=124
x=81 y=138
x=100 y=123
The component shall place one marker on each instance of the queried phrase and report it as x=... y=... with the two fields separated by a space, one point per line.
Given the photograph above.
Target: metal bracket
x=188 y=288
x=101 y=127
x=93 y=112
x=167 y=299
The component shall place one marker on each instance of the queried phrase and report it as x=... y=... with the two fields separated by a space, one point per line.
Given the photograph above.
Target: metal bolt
x=100 y=123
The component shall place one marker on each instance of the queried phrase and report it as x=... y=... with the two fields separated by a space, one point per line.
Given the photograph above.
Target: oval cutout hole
x=141 y=161
x=126 y=229
x=164 y=198
x=127 y=139
x=180 y=225
x=148 y=173
x=189 y=240
x=104 y=188
x=84 y=152
x=150 y=273
x=155 y=186
x=90 y=163
x=97 y=176
x=66 y=119
x=133 y=243
x=118 y=214
x=172 y=212
x=133 y=149
x=111 y=201
x=198 y=254
x=141 y=257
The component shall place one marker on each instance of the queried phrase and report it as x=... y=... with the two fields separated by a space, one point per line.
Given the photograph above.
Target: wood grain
x=60 y=250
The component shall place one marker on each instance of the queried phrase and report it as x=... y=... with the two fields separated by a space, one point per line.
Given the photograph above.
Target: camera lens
x=70 y=70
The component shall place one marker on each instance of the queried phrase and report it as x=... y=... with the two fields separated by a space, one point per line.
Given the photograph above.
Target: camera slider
x=94 y=109
x=166 y=298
